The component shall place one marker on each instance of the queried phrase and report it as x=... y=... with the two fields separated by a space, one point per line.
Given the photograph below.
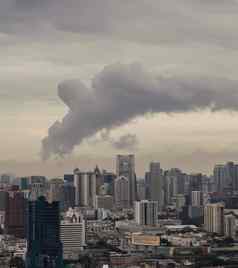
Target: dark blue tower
x=43 y=234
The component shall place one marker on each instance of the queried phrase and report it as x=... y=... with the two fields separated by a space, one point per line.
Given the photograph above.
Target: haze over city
x=154 y=78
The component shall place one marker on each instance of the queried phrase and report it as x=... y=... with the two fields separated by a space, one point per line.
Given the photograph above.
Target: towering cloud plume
x=120 y=93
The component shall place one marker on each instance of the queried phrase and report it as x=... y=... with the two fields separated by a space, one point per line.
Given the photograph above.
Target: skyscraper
x=157 y=184
x=122 y=192
x=230 y=226
x=226 y=176
x=85 y=184
x=125 y=167
x=69 y=179
x=146 y=212
x=68 y=196
x=43 y=234
x=55 y=190
x=15 y=214
x=196 y=198
x=214 y=218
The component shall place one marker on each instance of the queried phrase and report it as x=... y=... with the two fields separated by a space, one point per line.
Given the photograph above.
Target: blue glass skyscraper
x=43 y=234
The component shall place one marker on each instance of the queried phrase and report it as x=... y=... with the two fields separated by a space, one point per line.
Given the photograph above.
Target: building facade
x=125 y=166
x=146 y=212
x=214 y=218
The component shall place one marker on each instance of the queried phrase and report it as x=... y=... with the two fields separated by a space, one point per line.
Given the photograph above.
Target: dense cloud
x=137 y=20
x=120 y=93
x=126 y=142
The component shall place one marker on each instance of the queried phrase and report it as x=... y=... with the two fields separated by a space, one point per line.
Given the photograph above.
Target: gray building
x=125 y=166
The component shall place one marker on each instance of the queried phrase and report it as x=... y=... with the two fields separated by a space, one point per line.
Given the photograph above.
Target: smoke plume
x=120 y=93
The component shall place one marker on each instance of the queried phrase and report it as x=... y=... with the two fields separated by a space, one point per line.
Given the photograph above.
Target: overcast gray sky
x=186 y=51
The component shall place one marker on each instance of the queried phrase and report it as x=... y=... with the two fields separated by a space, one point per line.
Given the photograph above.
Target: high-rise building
x=147 y=186
x=141 y=190
x=157 y=184
x=196 y=198
x=121 y=192
x=24 y=183
x=173 y=185
x=195 y=182
x=85 y=184
x=220 y=177
x=180 y=201
x=108 y=179
x=72 y=236
x=38 y=179
x=3 y=200
x=5 y=179
x=104 y=201
x=68 y=196
x=230 y=226
x=99 y=179
x=55 y=190
x=37 y=189
x=69 y=179
x=43 y=234
x=125 y=167
x=77 y=186
x=214 y=218
x=15 y=214
x=146 y=212
x=226 y=177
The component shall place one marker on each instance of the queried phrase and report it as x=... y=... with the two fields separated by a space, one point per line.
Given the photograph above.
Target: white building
x=214 y=218
x=146 y=212
x=72 y=236
x=196 y=199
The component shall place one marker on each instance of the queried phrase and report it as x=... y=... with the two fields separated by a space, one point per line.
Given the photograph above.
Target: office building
x=214 y=218
x=69 y=179
x=122 y=192
x=68 y=196
x=173 y=184
x=43 y=234
x=5 y=179
x=72 y=236
x=37 y=190
x=195 y=182
x=3 y=200
x=108 y=180
x=226 y=177
x=157 y=184
x=24 y=183
x=146 y=212
x=125 y=166
x=147 y=186
x=85 y=184
x=230 y=226
x=196 y=198
x=104 y=201
x=55 y=190
x=141 y=190
x=15 y=214
x=180 y=201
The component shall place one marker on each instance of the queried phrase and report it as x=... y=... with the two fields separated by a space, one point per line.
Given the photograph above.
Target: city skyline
x=49 y=43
